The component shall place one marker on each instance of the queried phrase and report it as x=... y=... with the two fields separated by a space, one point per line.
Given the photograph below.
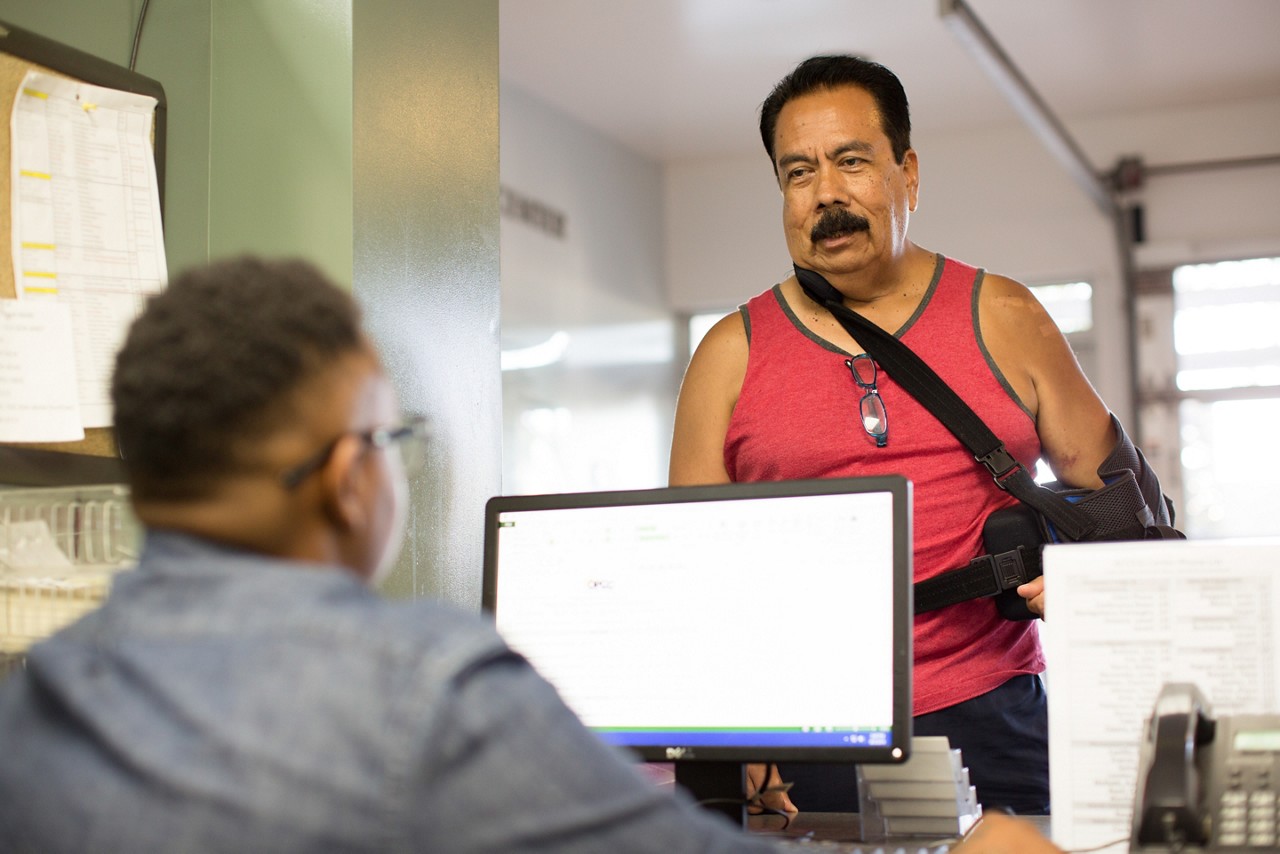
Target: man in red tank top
x=769 y=395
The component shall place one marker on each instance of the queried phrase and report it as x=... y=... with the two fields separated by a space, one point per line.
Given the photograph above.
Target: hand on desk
x=1002 y=834
x=766 y=776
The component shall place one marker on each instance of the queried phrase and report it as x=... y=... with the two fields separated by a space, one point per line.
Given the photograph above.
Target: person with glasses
x=779 y=390
x=244 y=688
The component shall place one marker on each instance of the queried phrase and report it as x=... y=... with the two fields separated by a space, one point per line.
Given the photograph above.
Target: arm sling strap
x=1062 y=518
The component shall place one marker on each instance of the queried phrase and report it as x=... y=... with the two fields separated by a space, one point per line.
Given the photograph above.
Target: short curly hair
x=212 y=360
x=830 y=72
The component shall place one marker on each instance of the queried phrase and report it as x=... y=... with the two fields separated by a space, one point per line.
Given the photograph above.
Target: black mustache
x=837 y=222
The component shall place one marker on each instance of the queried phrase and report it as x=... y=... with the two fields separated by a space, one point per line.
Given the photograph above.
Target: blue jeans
x=1003 y=736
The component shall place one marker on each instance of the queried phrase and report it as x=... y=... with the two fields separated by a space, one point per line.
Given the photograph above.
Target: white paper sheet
x=38 y=396
x=1125 y=618
x=86 y=216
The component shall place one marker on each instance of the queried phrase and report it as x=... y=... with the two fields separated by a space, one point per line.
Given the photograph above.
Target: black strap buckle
x=988 y=575
x=1009 y=570
x=1000 y=463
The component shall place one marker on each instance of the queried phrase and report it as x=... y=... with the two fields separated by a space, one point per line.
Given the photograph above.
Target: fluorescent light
x=537 y=356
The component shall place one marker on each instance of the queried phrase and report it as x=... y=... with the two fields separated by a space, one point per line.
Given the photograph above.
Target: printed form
x=38 y=401
x=1125 y=618
x=86 y=217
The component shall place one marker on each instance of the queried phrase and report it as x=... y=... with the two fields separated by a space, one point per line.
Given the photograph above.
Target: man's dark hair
x=212 y=361
x=831 y=72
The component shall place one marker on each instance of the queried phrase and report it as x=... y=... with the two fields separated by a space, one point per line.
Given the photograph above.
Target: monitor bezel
x=900 y=490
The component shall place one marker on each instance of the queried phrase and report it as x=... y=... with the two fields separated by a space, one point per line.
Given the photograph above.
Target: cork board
x=22 y=51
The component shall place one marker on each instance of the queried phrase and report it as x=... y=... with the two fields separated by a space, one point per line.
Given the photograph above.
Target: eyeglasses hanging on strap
x=875 y=419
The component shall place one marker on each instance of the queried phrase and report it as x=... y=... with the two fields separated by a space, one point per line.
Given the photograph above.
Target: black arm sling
x=1061 y=519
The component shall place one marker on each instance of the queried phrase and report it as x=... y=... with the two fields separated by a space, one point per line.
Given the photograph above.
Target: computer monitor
x=713 y=626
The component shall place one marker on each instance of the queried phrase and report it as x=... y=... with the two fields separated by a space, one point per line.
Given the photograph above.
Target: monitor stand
x=720 y=787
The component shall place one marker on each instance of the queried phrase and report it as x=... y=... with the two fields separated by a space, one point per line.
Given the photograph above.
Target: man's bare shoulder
x=1009 y=299
x=707 y=398
x=726 y=340
x=1013 y=320
x=1021 y=338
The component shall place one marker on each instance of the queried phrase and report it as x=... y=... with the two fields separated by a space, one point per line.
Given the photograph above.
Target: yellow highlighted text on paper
x=29 y=245
x=31 y=173
x=36 y=94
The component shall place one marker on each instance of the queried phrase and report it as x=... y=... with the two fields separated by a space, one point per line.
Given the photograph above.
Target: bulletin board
x=22 y=51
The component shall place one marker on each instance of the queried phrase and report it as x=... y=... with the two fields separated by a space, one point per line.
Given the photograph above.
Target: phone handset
x=1171 y=808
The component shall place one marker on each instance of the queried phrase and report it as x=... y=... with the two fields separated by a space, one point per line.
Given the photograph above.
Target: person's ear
x=911 y=168
x=345 y=481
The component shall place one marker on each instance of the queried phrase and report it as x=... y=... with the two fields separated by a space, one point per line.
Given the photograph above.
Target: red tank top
x=797 y=417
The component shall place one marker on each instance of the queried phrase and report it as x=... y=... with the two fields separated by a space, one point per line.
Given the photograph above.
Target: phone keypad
x=1248 y=818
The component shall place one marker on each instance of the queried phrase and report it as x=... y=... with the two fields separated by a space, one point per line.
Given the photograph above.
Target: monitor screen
x=736 y=622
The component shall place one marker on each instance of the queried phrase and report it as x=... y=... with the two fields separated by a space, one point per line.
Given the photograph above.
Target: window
x=588 y=408
x=1070 y=305
x=1225 y=322
x=1228 y=391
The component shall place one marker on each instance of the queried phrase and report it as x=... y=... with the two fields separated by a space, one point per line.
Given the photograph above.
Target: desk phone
x=1206 y=784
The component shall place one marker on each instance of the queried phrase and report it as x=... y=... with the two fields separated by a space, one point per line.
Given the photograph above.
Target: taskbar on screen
x=801 y=737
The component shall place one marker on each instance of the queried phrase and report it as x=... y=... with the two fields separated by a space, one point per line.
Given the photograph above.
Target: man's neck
x=238 y=513
x=902 y=279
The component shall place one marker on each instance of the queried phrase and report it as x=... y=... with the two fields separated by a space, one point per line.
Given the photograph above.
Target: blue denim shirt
x=225 y=701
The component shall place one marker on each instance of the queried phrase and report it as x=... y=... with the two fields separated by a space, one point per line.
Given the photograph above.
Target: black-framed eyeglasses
x=410 y=437
x=875 y=418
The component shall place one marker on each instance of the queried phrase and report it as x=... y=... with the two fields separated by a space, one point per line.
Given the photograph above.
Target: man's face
x=360 y=496
x=845 y=200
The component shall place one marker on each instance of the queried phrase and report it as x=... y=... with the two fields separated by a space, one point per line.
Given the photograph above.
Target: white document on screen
x=1122 y=620
x=613 y=613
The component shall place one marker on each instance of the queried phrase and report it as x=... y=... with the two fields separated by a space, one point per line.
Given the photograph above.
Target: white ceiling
x=684 y=78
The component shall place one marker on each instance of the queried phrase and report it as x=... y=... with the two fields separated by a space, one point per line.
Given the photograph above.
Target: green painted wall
x=280 y=139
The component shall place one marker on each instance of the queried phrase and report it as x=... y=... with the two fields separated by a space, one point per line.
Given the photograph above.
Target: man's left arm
x=1073 y=423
